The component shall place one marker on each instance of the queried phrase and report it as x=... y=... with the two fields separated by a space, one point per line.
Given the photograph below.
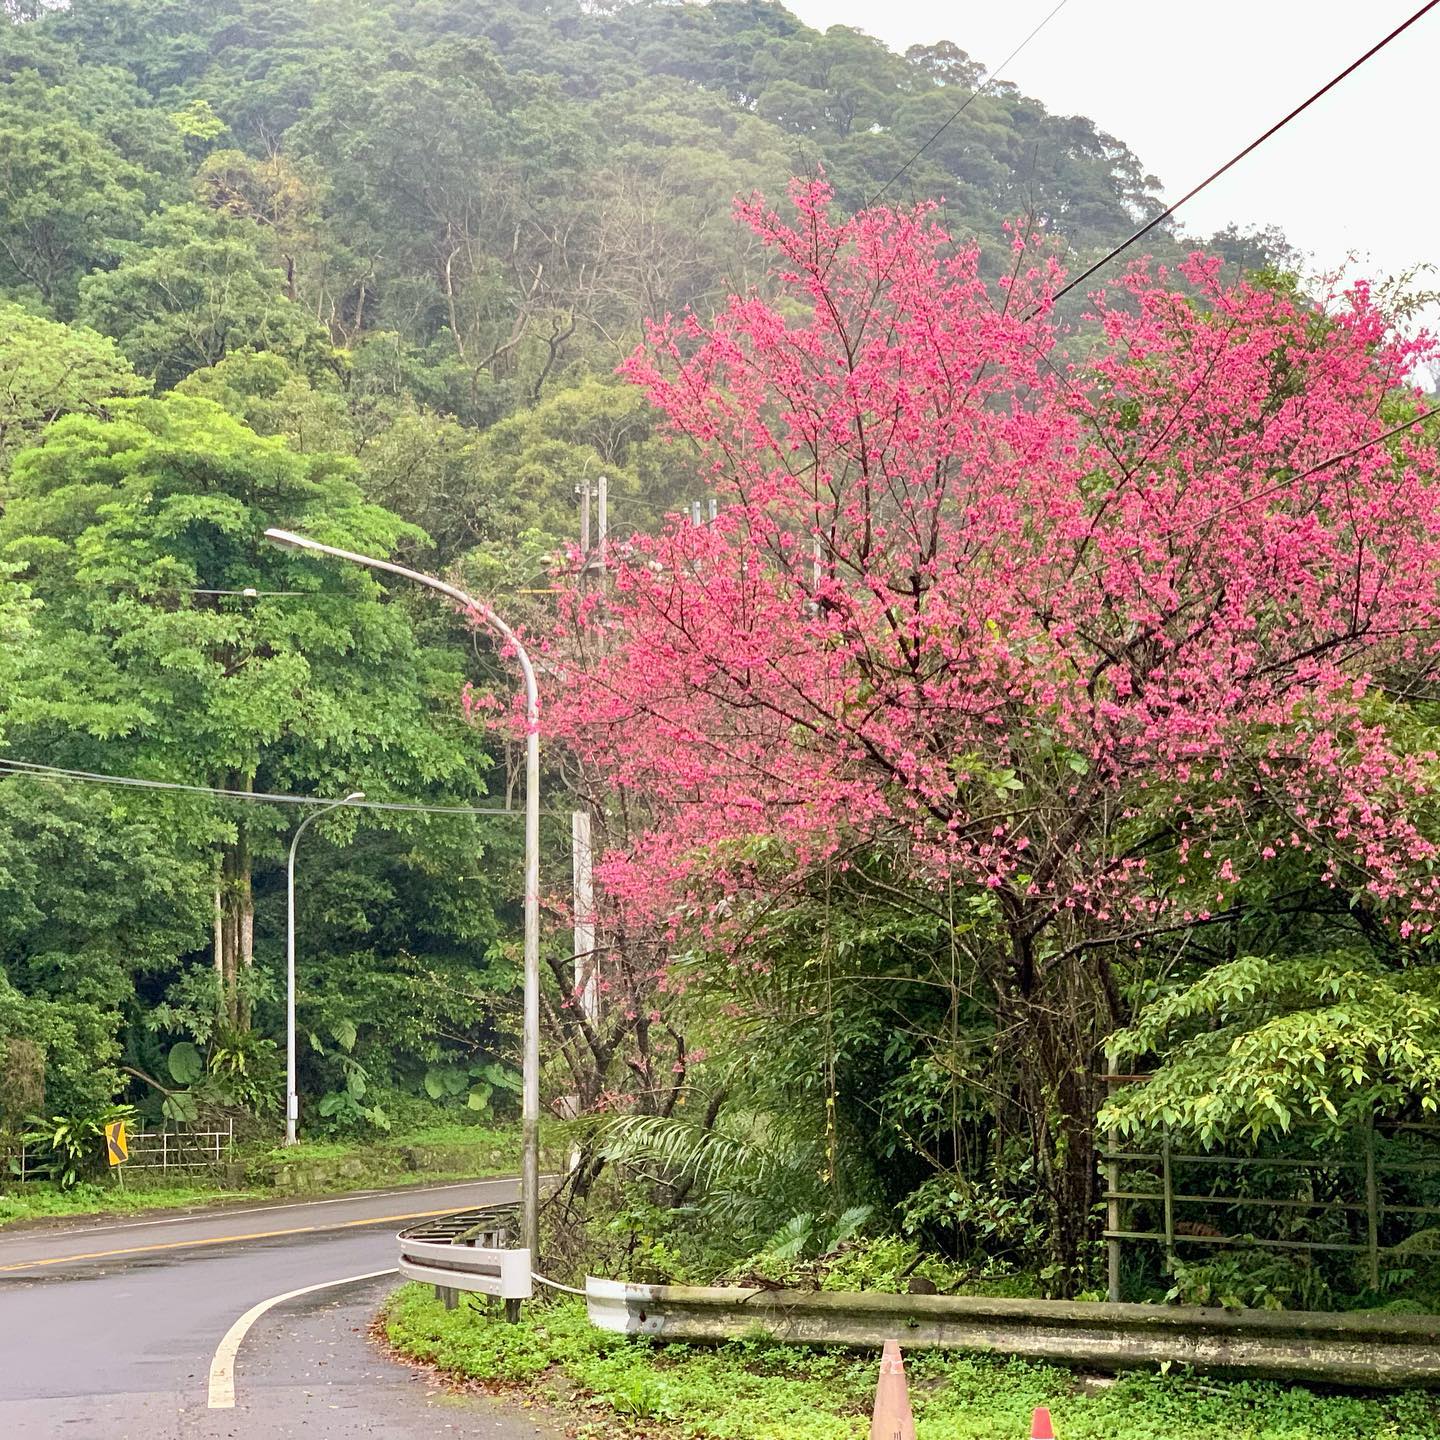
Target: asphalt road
x=108 y=1331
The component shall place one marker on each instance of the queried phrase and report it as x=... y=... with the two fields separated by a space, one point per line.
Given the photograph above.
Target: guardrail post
x=1169 y=1189
x=1112 y=1203
x=1372 y=1206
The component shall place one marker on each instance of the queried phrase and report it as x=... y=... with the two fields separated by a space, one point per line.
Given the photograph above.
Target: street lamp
x=292 y=1094
x=530 y=1095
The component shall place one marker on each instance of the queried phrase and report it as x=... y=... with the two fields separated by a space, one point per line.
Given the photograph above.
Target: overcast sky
x=1187 y=85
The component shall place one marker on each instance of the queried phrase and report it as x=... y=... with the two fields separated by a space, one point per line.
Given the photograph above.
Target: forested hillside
x=365 y=270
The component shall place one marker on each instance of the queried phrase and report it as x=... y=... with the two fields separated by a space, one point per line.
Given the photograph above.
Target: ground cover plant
x=612 y=1385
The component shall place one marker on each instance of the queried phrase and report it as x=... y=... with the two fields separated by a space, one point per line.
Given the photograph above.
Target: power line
x=1255 y=144
x=974 y=94
x=91 y=777
x=250 y=593
x=1339 y=459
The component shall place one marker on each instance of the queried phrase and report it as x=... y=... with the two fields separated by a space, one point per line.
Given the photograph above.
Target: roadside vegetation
x=611 y=1385
x=433 y=1155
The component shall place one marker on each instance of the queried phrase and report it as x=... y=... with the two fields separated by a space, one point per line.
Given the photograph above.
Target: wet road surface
x=108 y=1330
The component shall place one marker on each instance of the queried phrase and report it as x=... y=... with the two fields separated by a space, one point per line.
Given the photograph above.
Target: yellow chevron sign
x=117 y=1149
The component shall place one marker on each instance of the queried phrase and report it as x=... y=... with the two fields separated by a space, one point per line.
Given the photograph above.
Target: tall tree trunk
x=220 y=929
x=1058 y=1092
x=1054 y=1020
x=235 y=924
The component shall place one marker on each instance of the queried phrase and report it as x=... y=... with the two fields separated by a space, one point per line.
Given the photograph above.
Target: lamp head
x=353 y=796
x=285 y=539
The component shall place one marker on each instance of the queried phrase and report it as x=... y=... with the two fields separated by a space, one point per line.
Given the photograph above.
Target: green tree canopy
x=48 y=370
x=193 y=290
x=127 y=528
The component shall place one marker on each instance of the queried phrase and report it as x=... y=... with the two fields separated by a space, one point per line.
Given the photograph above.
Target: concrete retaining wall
x=1373 y=1350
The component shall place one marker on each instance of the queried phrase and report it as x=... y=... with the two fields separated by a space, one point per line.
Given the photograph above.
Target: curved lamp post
x=530 y=1098
x=292 y=1094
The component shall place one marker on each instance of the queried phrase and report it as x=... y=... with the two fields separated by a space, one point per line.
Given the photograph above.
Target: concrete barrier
x=1371 y=1350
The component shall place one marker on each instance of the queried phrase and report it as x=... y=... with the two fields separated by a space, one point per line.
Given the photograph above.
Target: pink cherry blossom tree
x=1085 y=626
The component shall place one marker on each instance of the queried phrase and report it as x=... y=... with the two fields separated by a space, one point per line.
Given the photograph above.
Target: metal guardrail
x=468 y=1251
x=1360 y=1349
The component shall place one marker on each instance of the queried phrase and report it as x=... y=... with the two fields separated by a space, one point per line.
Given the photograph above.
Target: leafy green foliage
x=49 y=370
x=802 y=1238
x=184 y=1063
x=1254 y=1045
x=1256 y=1280
x=479 y=1083
x=72 y=1144
x=69 y=196
x=195 y=288
x=743 y=1168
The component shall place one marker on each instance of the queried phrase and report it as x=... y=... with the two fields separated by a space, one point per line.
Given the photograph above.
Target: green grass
x=38 y=1199
x=467 y=1137
x=758 y=1390
x=327 y=1167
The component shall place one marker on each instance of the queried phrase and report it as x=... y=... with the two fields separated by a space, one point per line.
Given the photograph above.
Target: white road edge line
x=201 y=1213
x=222 y=1367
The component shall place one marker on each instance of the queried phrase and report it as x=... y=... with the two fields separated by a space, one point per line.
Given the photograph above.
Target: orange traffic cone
x=1040 y=1426
x=892 y=1419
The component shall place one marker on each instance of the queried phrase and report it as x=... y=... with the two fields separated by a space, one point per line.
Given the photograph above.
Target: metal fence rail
x=165 y=1149
x=17 y=1163
x=1367 y=1200
x=181 y=1149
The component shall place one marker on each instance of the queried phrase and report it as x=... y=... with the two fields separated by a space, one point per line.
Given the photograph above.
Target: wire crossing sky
x=91 y=777
x=1186 y=88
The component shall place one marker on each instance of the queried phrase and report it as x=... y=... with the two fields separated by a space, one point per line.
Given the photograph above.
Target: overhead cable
x=979 y=90
x=1254 y=145
x=91 y=777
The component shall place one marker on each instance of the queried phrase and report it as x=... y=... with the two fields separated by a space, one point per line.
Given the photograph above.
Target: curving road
x=109 y=1331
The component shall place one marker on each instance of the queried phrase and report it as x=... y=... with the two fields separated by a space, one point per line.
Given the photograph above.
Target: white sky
x=1186 y=85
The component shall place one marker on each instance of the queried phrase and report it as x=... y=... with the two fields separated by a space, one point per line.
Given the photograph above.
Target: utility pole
x=587 y=984
x=583 y=491
x=602 y=516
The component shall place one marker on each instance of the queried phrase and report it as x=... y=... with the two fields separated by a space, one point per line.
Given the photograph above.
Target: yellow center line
x=224 y=1239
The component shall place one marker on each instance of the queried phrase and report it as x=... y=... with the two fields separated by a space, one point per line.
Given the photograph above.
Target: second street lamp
x=530 y=1097
x=292 y=1093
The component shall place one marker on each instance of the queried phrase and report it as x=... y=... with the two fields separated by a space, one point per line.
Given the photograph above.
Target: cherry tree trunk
x=1052 y=1023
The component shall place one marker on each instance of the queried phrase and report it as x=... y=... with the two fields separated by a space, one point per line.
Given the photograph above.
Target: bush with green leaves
x=1255 y=1045
x=72 y=1146
x=488 y=1087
